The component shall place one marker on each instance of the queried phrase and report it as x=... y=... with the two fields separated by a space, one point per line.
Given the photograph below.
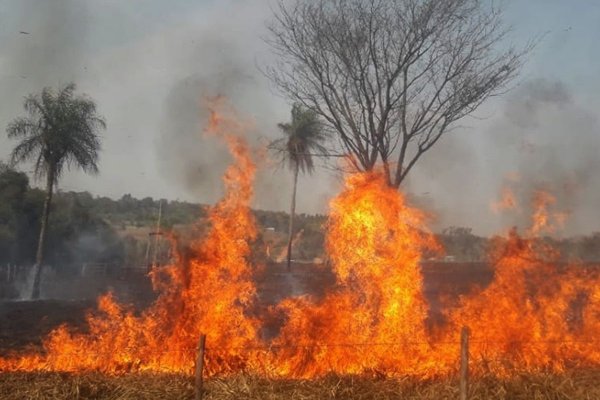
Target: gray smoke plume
x=542 y=138
x=45 y=44
x=196 y=162
x=557 y=141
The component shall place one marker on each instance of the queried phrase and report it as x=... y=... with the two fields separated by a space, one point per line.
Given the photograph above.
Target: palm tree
x=59 y=130
x=303 y=138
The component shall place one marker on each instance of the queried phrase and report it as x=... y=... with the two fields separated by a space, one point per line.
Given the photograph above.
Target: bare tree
x=390 y=77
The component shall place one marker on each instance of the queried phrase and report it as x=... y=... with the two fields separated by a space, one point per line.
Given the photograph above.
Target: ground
x=577 y=385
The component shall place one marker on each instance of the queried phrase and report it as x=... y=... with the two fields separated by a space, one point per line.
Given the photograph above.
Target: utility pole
x=156 y=233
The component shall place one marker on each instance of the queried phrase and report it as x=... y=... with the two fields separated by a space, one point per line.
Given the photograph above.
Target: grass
x=575 y=385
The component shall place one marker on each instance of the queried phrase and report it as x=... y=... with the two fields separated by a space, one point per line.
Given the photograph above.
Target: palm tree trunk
x=292 y=212
x=39 y=257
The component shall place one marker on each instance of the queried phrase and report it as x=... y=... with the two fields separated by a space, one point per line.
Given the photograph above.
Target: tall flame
x=537 y=313
x=375 y=242
x=208 y=290
x=534 y=314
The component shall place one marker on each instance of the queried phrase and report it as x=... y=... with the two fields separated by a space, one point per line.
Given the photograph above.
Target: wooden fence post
x=199 y=367
x=464 y=363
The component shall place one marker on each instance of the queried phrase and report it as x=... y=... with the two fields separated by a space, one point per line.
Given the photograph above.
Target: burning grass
x=575 y=385
x=537 y=315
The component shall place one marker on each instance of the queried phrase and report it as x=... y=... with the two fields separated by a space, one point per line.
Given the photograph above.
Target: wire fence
x=460 y=359
x=351 y=348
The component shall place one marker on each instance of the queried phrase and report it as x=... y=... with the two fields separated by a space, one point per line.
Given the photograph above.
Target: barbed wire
x=360 y=345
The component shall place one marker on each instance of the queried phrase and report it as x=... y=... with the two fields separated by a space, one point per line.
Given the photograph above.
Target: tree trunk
x=292 y=212
x=39 y=257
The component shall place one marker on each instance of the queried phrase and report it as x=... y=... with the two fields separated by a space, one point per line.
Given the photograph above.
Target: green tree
x=304 y=138
x=13 y=187
x=60 y=130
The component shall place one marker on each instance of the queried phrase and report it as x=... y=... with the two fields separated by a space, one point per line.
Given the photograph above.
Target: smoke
x=149 y=71
x=223 y=63
x=555 y=141
x=540 y=136
x=194 y=162
x=45 y=45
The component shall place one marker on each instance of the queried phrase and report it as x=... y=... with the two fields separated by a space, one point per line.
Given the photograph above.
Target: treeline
x=75 y=234
x=88 y=229
x=460 y=244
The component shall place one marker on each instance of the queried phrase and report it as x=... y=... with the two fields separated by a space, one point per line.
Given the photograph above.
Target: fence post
x=199 y=367
x=464 y=363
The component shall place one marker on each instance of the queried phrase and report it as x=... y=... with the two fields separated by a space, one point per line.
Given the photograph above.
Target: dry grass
x=580 y=385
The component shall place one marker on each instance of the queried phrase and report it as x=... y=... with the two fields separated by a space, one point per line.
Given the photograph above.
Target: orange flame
x=525 y=319
x=544 y=220
x=536 y=314
x=375 y=242
x=208 y=290
x=507 y=201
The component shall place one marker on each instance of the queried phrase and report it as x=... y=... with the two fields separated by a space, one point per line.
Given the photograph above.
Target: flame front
x=536 y=314
x=208 y=290
x=375 y=242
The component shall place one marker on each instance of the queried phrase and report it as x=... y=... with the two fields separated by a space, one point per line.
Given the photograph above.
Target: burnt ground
x=24 y=324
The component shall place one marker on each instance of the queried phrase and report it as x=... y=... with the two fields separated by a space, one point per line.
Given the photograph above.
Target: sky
x=148 y=64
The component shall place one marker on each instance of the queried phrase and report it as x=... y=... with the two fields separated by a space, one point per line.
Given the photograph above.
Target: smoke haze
x=149 y=65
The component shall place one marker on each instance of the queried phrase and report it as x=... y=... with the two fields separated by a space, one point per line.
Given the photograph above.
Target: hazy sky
x=148 y=62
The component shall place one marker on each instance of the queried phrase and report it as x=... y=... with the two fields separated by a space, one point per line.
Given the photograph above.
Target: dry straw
x=575 y=385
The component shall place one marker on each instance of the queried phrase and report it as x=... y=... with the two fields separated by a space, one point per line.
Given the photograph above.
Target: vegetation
x=88 y=229
x=20 y=213
x=76 y=234
x=60 y=130
x=303 y=139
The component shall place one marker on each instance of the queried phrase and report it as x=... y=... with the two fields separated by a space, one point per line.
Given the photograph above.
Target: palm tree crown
x=59 y=130
x=303 y=138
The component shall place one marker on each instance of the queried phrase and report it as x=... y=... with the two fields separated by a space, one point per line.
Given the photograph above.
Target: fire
x=507 y=201
x=209 y=290
x=536 y=314
x=375 y=242
x=542 y=218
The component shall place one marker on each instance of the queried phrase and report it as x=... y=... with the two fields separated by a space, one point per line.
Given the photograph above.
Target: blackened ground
x=23 y=324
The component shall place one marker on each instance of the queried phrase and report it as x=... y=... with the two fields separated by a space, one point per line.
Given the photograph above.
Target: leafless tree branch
x=391 y=77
